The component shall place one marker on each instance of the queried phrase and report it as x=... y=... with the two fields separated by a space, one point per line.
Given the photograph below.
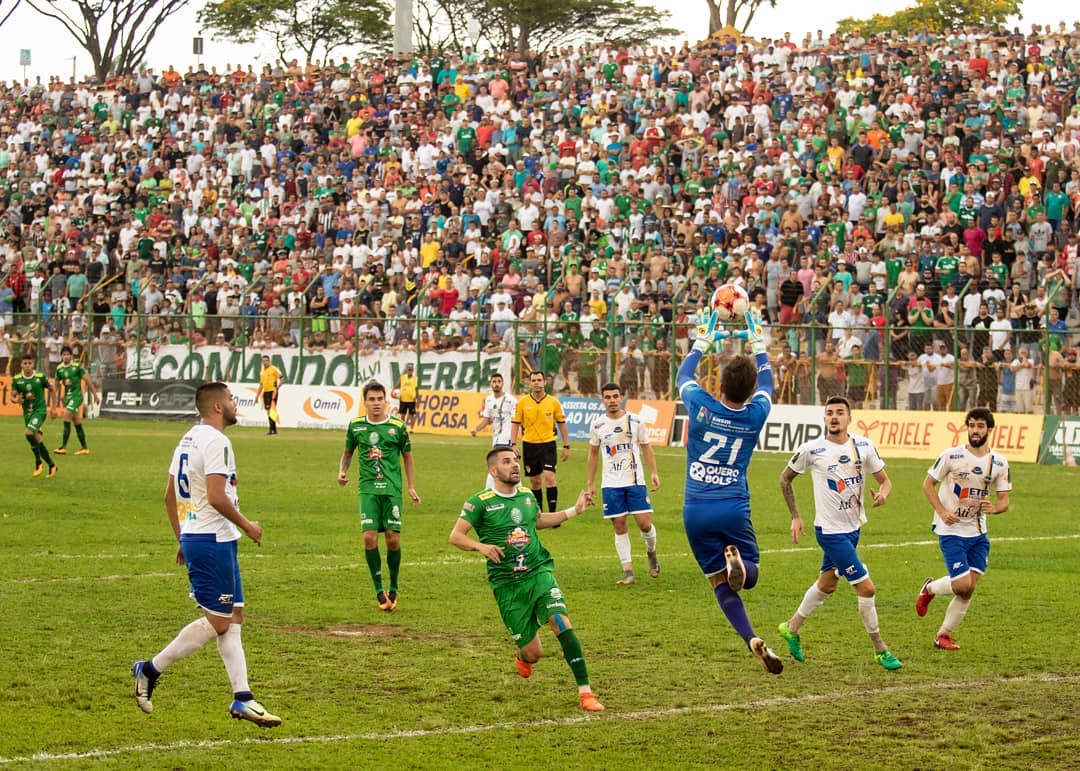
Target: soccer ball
x=730 y=302
x=395 y=394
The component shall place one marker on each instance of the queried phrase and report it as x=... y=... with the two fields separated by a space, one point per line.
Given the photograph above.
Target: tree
x=116 y=33
x=537 y=25
x=305 y=25
x=935 y=16
x=730 y=12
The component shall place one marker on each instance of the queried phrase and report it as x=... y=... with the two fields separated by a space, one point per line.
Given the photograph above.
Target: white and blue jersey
x=720 y=442
x=622 y=475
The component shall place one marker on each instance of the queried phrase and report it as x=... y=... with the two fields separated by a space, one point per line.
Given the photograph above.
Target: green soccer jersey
x=379 y=447
x=32 y=389
x=509 y=522
x=71 y=375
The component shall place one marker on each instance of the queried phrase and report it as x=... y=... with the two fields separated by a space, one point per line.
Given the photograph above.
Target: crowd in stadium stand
x=872 y=195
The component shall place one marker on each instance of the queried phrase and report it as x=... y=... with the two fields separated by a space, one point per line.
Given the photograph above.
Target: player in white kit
x=622 y=440
x=498 y=412
x=837 y=462
x=203 y=509
x=958 y=486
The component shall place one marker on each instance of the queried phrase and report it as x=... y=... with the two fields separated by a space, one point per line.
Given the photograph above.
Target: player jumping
x=958 y=486
x=716 y=508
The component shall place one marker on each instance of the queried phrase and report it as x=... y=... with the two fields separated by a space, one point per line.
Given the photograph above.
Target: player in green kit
x=70 y=377
x=385 y=449
x=519 y=568
x=28 y=388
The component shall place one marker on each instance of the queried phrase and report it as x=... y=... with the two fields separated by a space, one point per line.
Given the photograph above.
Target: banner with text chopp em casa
x=437 y=371
x=581 y=411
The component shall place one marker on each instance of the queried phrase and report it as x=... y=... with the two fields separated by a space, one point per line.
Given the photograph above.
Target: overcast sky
x=51 y=48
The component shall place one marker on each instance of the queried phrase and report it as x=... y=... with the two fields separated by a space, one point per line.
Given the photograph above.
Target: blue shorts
x=712 y=525
x=214 y=572
x=840 y=555
x=964 y=554
x=619 y=501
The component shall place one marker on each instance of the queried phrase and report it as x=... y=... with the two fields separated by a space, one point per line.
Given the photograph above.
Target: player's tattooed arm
x=787 y=476
x=343 y=467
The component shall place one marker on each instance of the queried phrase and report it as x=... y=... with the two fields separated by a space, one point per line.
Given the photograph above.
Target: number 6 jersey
x=966 y=481
x=203 y=451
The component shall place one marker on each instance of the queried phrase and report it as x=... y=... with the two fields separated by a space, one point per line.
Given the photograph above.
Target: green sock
x=67 y=433
x=374 y=563
x=34 y=447
x=393 y=563
x=571 y=650
x=44 y=453
x=80 y=433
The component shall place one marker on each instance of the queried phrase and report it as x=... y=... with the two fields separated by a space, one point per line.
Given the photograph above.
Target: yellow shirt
x=268 y=378
x=408 y=388
x=538 y=418
x=429 y=252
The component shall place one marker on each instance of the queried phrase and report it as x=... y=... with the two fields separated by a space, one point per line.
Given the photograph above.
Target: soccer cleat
x=946 y=642
x=589 y=702
x=59 y=451
x=391 y=597
x=887 y=660
x=83 y=451
x=52 y=472
x=255 y=712
x=39 y=469
x=922 y=602
x=627 y=578
x=764 y=654
x=383 y=600
x=794 y=643
x=144 y=687
x=736 y=572
x=524 y=668
x=654 y=564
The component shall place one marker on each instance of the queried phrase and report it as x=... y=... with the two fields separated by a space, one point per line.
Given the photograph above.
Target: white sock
x=868 y=612
x=231 y=650
x=941 y=587
x=490 y=483
x=811 y=601
x=954 y=614
x=622 y=547
x=650 y=538
x=192 y=637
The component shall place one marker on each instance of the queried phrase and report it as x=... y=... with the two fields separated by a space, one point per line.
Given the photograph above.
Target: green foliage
x=309 y=26
x=934 y=16
x=88 y=584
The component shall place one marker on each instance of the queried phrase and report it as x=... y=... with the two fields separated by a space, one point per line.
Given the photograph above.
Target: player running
x=838 y=463
x=625 y=443
x=29 y=388
x=958 y=486
x=204 y=512
x=498 y=412
x=70 y=379
x=519 y=569
x=270 y=380
x=385 y=449
x=716 y=508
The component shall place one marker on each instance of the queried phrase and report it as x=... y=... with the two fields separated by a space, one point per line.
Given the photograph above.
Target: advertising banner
x=1061 y=441
x=925 y=435
x=10 y=408
x=151 y=399
x=437 y=371
x=581 y=411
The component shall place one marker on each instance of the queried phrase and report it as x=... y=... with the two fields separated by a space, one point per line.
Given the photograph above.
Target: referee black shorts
x=539 y=458
x=268 y=399
x=406 y=408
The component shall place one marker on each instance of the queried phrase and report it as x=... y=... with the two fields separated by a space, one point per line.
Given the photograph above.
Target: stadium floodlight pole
x=956 y=343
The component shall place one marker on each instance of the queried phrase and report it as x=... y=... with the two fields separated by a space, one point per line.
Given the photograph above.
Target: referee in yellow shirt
x=270 y=381
x=535 y=420
x=408 y=389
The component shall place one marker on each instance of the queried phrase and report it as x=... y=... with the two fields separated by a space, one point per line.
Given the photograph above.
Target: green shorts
x=34 y=421
x=73 y=403
x=527 y=604
x=319 y=324
x=380 y=512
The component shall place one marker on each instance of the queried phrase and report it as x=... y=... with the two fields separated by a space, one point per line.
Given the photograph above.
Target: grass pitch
x=88 y=584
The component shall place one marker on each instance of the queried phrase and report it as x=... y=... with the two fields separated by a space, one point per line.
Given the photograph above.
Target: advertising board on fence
x=152 y=399
x=581 y=411
x=10 y=408
x=437 y=371
x=1061 y=441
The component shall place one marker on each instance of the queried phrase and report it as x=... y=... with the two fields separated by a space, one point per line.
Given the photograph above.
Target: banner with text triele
x=437 y=371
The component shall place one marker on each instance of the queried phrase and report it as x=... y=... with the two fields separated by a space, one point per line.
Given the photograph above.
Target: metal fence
x=951 y=368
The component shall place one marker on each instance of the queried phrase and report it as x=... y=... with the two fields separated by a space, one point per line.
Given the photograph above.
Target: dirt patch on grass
x=353 y=631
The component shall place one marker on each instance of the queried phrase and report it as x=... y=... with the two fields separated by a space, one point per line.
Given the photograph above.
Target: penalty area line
x=425 y=733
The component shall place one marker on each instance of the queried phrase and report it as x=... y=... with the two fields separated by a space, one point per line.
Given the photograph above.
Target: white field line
x=453 y=559
x=778 y=702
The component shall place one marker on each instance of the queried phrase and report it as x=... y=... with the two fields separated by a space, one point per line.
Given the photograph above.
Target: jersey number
x=716 y=444
x=183 y=484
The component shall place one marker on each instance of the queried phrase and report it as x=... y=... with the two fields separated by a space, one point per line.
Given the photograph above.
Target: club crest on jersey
x=702 y=414
x=515 y=516
x=518 y=539
x=844 y=459
x=373 y=438
x=977 y=470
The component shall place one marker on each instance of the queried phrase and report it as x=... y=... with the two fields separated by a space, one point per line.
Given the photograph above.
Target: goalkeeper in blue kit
x=721 y=439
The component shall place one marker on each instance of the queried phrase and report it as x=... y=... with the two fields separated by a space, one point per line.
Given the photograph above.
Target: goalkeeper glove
x=707 y=335
x=755 y=333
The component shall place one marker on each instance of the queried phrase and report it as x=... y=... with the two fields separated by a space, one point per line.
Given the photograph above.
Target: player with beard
x=958 y=486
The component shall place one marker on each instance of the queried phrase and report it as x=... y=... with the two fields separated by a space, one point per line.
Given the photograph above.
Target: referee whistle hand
x=566 y=454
